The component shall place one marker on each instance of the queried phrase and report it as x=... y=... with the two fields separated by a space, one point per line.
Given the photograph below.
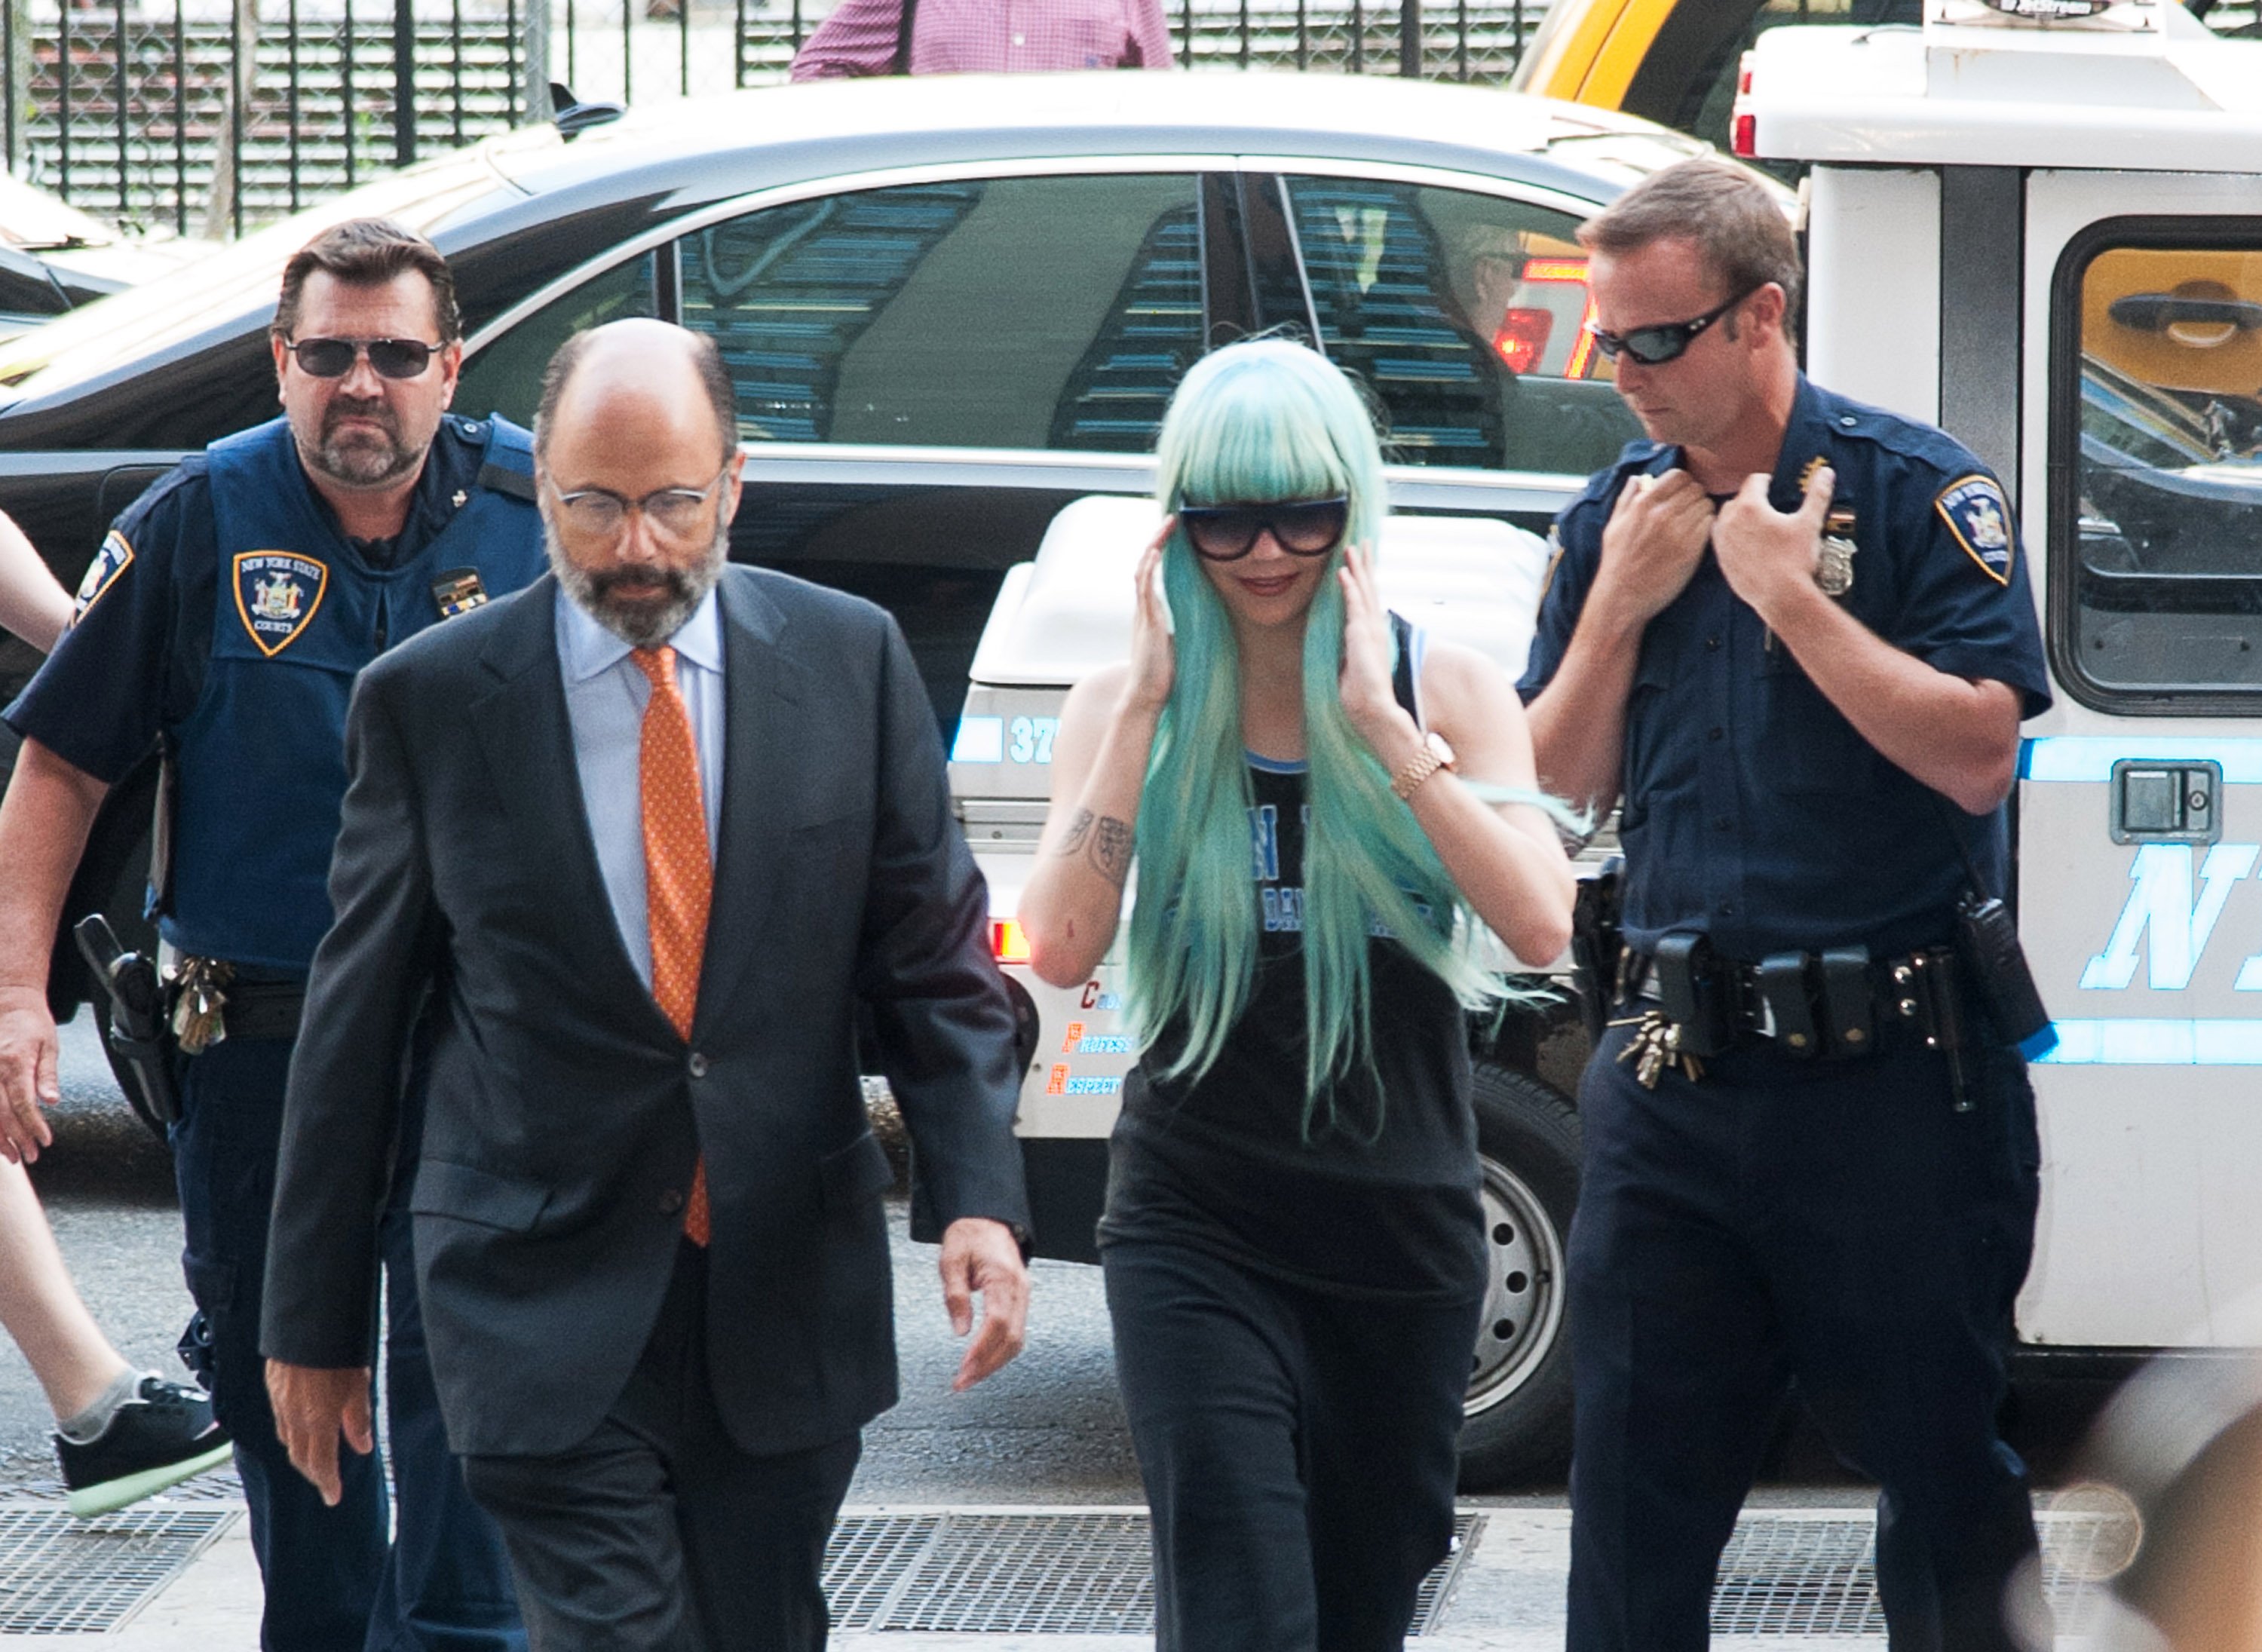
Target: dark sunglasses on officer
x=1655 y=346
x=1301 y=527
x=334 y=357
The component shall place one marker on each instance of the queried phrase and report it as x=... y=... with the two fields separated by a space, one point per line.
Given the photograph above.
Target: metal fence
x=206 y=120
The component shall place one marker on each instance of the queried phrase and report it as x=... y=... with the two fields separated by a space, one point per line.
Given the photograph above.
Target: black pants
x=1298 y=1450
x=658 y=1533
x=1834 y=1225
x=332 y=1582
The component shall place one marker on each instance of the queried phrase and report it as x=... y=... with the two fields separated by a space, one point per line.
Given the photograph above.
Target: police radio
x=1987 y=944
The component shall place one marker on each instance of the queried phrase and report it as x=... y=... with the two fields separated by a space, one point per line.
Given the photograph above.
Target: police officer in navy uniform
x=225 y=617
x=1793 y=636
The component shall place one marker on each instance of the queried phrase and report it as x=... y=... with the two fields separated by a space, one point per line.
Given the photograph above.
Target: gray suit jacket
x=565 y=1113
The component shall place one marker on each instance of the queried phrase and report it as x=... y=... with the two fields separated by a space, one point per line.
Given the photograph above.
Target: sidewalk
x=1507 y=1595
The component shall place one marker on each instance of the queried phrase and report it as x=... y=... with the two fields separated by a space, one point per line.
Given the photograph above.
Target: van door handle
x=2166 y=802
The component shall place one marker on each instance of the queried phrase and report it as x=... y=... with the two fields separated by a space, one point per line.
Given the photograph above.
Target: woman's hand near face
x=1154 y=652
x=1369 y=699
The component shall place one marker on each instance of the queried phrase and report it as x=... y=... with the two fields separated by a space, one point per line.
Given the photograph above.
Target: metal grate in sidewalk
x=64 y=1576
x=1071 y=1573
x=1800 y=1575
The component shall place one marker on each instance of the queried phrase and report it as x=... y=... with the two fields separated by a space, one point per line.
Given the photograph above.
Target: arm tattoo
x=1110 y=850
x=1104 y=841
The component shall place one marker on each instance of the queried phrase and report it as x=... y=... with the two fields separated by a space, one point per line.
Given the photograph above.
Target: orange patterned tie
x=678 y=874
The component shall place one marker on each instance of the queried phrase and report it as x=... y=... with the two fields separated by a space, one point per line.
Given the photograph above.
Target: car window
x=2160 y=408
x=1004 y=312
x=1463 y=313
x=506 y=376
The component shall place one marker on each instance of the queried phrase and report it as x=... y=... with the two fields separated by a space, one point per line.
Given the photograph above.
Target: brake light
x=1555 y=270
x=1745 y=137
x=1522 y=338
x=1582 y=353
x=1007 y=943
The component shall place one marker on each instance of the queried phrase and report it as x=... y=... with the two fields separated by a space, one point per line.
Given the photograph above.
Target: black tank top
x=1227 y=1165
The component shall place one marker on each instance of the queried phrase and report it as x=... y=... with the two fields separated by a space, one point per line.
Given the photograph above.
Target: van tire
x=1517 y=1421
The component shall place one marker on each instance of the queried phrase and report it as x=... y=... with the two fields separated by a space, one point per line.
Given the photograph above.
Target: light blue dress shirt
x=605 y=696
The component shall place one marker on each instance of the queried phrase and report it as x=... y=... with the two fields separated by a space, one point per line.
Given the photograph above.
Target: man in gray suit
x=649 y=1226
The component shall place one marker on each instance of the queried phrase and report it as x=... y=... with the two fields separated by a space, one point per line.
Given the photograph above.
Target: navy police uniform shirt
x=1751 y=810
x=133 y=659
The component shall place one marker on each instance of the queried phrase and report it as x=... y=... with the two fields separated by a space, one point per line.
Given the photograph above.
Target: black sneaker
x=158 y=1438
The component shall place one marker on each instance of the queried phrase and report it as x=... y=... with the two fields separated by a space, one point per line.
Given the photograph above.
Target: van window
x=1004 y=312
x=1463 y=315
x=2159 y=424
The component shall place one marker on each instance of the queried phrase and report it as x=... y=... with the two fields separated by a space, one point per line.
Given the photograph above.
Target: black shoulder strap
x=1402 y=676
x=502 y=480
x=903 y=63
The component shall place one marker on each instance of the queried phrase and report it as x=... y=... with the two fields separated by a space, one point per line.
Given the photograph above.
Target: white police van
x=2045 y=233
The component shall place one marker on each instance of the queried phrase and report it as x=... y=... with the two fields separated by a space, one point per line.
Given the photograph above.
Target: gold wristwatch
x=1433 y=755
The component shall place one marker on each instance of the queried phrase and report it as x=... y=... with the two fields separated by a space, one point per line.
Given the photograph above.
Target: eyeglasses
x=1301 y=527
x=334 y=357
x=1655 y=346
x=600 y=513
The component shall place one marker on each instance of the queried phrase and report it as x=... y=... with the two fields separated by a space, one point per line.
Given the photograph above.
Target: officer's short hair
x=714 y=379
x=368 y=252
x=1735 y=221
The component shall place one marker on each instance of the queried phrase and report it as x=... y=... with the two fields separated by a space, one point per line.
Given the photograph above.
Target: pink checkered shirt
x=969 y=37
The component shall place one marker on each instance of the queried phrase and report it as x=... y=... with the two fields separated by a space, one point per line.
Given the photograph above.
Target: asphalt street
x=1047 y=1429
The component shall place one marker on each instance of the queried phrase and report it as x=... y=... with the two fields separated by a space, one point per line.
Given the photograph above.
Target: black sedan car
x=950 y=305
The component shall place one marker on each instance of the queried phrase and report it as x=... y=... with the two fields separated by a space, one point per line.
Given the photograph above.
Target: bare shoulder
x=1457 y=678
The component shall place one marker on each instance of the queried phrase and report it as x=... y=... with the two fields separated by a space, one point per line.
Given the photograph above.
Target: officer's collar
x=1810 y=434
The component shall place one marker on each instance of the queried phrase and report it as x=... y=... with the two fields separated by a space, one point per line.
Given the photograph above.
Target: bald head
x=637 y=450
x=643 y=370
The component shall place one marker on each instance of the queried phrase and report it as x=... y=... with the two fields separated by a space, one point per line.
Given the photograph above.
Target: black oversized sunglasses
x=1301 y=527
x=334 y=357
x=1655 y=346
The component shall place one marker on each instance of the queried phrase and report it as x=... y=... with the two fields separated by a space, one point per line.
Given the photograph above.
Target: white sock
x=86 y=1428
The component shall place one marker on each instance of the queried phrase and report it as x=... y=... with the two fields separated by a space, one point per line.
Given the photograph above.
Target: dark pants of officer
x=658 y=1533
x=1836 y=1225
x=332 y=1582
x=1298 y=1450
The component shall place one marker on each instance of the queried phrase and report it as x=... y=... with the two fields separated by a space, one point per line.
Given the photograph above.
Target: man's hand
x=980 y=1257
x=313 y=1405
x=27 y=1072
x=1651 y=546
x=1769 y=556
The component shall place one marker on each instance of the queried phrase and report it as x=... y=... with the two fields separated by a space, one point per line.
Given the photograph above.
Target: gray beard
x=646 y=624
x=363 y=464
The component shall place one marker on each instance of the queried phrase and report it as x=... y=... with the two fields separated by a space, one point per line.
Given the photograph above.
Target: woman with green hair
x=1319 y=806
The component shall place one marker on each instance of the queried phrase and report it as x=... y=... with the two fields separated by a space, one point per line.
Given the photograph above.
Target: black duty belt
x=1839 y=1002
x=210 y=1002
x=264 y=1009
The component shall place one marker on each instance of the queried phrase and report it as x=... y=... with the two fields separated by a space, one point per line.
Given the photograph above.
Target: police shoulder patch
x=1975 y=512
x=276 y=593
x=115 y=557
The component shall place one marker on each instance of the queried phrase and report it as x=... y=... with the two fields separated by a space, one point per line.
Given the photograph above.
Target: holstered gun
x=1597 y=944
x=137 y=1031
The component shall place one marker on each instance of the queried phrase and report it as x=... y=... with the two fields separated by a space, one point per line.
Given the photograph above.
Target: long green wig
x=1263 y=421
